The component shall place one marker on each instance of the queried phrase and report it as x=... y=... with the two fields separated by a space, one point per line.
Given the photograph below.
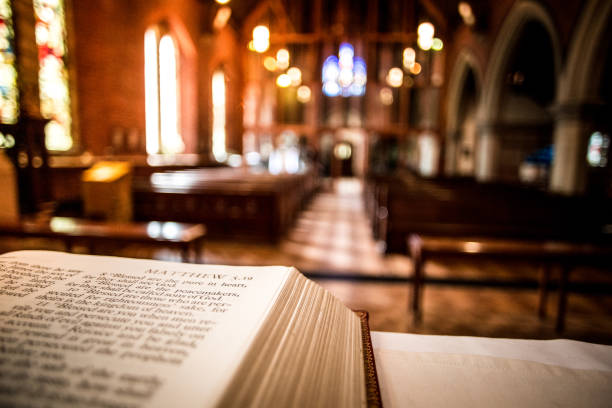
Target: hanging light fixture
x=345 y=74
x=425 y=33
x=261 y=38
x=282 y=58
x=395 y=77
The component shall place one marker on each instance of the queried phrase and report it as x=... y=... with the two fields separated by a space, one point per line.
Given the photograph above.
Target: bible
x=99 y=331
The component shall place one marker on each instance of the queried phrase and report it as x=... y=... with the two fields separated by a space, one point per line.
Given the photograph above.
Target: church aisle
x=332 y=236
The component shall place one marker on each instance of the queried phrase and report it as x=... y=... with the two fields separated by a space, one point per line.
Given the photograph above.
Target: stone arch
x=465 y=64
x=585 y=50
x=578 y=103
x=523 y=13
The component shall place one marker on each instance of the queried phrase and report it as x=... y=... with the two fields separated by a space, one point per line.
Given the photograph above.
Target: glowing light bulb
x=425 y=43
x=409 y=57
x=437 y=44
x=270 y=64
x=282 y=58
x=386 y=96
x=222 y=1
x=331 y=70
x=416 y=69
x=303 y=94
x=346 y=54
x=261 y=38
x=283 y=80
x=296 y=76
x=331 y=88
x=346 y=77
x=426 y=30
x=395 y=77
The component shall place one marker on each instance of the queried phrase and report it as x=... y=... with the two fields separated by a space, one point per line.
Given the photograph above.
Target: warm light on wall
x=261 y=38
x=218 y=100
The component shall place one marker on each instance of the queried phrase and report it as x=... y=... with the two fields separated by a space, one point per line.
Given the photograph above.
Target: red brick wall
x=108 y=59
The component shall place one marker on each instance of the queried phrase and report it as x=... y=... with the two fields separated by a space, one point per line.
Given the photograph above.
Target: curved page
x=100 y=331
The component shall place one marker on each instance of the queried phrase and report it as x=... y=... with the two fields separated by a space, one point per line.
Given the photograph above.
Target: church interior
x=376 y=145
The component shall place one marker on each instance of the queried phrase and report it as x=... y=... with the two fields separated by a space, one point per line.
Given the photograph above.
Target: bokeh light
x=270 y=63
x=261 y=38
x=425 y=43
x=303 y=94
x=283 y=80
x=409 y=57
x=386 y=96
x=437 y=44
x=282 y=58
x=395 y=77
x=425 y=30
x=295 y=75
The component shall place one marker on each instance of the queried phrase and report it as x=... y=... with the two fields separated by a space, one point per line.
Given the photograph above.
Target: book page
x=114 y=332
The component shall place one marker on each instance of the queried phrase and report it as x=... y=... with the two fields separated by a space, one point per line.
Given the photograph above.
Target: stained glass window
x=9 y=105
x=50 y=33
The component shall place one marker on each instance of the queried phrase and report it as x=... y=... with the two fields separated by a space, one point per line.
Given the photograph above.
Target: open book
x=82 y=330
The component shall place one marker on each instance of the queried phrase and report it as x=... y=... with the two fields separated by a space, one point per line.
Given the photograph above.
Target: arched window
x=218 y=100
x=9 y=104
x=54 y=92
x=162 y=93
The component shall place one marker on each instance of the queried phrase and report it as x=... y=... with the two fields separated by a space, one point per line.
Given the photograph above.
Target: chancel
x=443 y=165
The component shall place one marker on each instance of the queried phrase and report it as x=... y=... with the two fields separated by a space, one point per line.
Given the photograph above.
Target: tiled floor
x=332 y=244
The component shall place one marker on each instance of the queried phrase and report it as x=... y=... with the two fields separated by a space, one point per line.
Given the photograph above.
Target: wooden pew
x=407 y=204
x=233 y=203
x=188 y=238
x=546 y=253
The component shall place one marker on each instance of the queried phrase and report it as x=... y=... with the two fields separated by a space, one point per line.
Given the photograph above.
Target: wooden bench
x=407 y=204
x=188 y=238
x=233 y=203
x=545 y=253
